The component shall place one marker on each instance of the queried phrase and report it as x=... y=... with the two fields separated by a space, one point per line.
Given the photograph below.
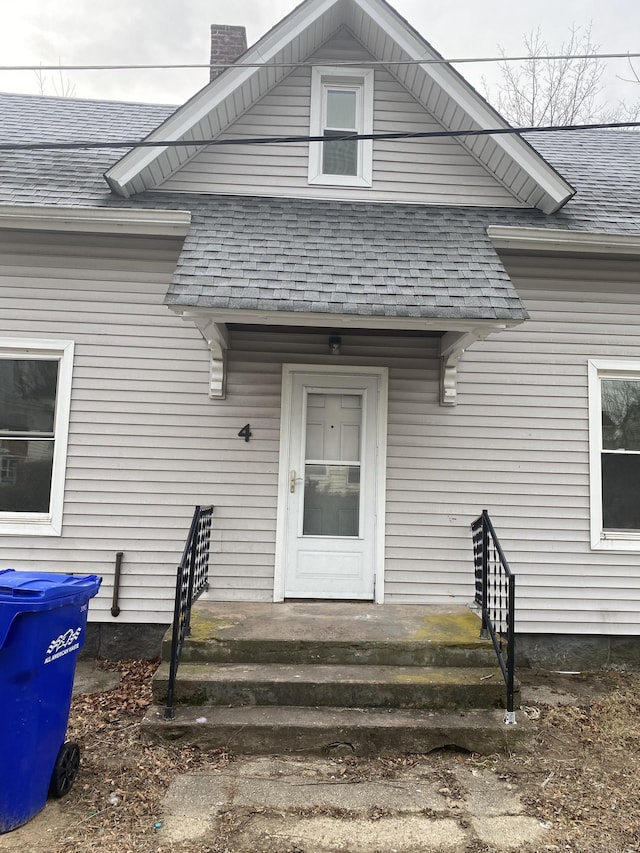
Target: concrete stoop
x=320 y=678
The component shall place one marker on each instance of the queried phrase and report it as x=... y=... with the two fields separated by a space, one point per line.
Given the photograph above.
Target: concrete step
x=349 y=686
x=334 y=633
x=262 y=730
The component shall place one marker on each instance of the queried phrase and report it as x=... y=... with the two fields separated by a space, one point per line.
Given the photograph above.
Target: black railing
x=496 y=596
x=191 y=581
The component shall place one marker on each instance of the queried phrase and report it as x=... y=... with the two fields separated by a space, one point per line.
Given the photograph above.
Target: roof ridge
x=103 y=101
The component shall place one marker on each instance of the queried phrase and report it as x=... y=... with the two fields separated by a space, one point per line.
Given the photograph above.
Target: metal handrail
x=192 y=580
x=496 y=598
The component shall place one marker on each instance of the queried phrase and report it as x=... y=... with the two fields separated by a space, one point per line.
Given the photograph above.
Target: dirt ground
x=582 y=780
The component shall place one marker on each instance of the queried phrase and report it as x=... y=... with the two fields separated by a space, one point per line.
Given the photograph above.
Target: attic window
x=341 y=104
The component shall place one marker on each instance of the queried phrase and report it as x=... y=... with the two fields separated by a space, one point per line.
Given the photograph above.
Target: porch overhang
x=456 y=337
x=342 y=265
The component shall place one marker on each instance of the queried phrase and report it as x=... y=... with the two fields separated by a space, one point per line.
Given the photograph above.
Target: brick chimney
x=227 y=44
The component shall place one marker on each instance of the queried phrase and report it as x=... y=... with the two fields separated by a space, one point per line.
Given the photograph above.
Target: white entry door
x=332 y=482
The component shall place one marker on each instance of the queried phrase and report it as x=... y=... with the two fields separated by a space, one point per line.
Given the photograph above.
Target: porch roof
x=330 y=257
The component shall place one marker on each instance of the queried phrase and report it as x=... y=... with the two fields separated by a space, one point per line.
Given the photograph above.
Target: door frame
x=288 y=372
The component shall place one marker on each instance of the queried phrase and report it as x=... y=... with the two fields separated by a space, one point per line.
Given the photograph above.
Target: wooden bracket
x=217 y=337
x=452 y=347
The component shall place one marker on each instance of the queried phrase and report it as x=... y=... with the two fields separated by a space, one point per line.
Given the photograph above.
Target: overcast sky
x=177 y=31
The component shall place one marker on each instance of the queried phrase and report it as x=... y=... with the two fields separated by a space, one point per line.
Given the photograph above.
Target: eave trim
x=562 y=241
x=343 y=321
x=95 y=220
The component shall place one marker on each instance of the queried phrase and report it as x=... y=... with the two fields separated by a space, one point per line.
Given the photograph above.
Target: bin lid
x=33 y=587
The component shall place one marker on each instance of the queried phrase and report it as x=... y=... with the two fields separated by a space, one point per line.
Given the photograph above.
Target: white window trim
x=361 y=79
x=598 y=369
x=45 y=523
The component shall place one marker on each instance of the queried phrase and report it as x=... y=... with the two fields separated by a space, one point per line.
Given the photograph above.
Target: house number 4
x=245 y=432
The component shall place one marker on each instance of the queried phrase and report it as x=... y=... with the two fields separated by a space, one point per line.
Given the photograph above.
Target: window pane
x=621 y=491
x=621 y=414
x=25 y=475
x=341 y=109
x=331 y=500
x=340 y=157
x=27 y=395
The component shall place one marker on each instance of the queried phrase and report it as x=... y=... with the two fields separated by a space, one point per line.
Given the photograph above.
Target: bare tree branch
x=634 y=73
x=63 y=87
x=546 y=92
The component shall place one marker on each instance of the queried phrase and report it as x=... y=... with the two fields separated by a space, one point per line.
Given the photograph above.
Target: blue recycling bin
x=43 y=618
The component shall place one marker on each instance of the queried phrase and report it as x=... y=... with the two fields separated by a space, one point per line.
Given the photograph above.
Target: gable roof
x=604 y=165
x=388 y=37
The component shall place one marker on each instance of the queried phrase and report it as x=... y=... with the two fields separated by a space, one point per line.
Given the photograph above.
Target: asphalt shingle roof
x=342 y=257
x=321 y=256
x=71 y=178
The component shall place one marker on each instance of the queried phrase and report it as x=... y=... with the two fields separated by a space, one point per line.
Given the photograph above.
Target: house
x=349 y=347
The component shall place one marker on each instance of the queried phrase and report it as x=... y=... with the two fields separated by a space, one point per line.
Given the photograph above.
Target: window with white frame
x=614 y=399
x=35 y=392
x=341 y=104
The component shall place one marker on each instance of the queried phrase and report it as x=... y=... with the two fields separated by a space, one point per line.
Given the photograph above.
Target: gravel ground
x=582 y=780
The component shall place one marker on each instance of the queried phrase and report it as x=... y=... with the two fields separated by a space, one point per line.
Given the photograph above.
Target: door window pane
x=333 y=427
x=331 y=500
x=332 y=466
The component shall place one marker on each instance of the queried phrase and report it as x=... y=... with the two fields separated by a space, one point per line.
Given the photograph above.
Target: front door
x=332 y=481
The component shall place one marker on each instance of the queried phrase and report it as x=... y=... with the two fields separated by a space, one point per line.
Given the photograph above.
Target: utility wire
x=338 y=63
x=283 y=140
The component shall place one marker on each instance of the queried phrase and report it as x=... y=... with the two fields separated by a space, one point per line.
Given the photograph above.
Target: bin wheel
x=65 y=769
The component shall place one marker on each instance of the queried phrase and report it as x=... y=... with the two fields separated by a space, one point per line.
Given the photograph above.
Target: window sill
x=617 y=542
x=339 y=181
x=29 y=527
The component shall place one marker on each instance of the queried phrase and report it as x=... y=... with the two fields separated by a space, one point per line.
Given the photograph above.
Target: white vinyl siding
x=434 y=171
x=146 y=443
x=516 y=444
x=527 y=392
x=142 y=451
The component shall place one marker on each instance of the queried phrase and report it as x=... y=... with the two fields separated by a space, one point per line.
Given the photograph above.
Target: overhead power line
x=284 y=140
x=460 y=60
